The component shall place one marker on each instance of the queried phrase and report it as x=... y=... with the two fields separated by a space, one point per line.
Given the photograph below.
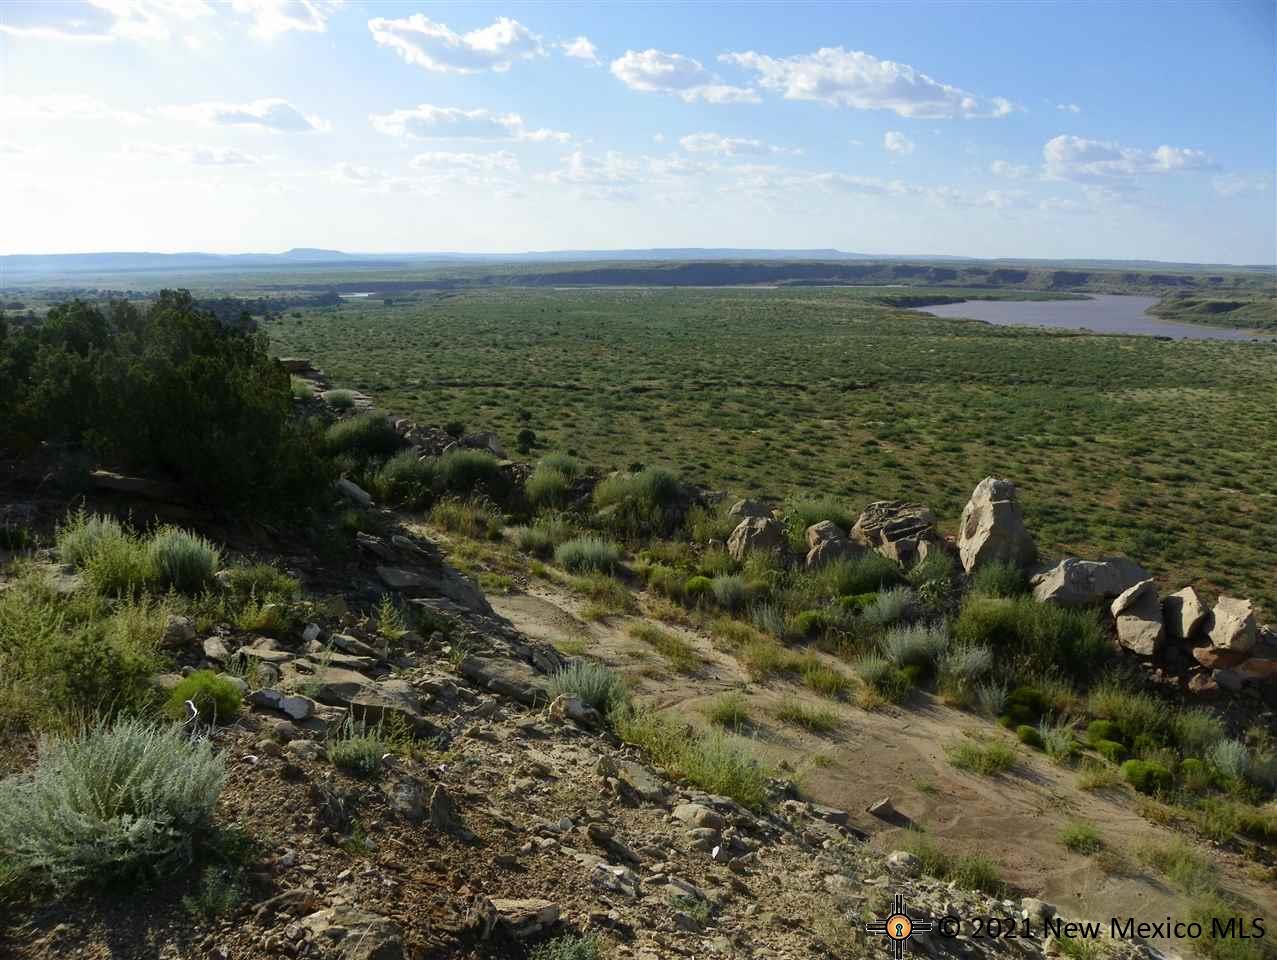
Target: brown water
x=1102 y=313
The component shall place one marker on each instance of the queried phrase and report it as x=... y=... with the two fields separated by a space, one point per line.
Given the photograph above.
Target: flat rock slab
x=508 y=678
x=354 y=935
x=641 y=780
x=525 y=918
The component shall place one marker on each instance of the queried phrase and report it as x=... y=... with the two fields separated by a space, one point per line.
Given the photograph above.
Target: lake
x=1103 y=313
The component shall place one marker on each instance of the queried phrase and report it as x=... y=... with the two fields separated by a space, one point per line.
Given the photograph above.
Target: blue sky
x=1117 y=130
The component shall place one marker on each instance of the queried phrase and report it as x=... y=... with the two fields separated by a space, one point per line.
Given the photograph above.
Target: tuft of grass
x=716 y=762
x=1081 y=837
x=822 y=678
x=729 y=710
x=1196 y=730
x=110 y=802
x=1183 y=864
x=969 y=872
x=595 y=684
x=469 y=473
x=730 y=591
x=917 y=645
x=569 y=947
x=391 y=623
x=882 y=676
x=1098 y=776
x=340 y=399
x=640 y=504
x=82 y=534
x=357 y=749
x=1147 y=776
x=867 y=573
x=476 y=519
x=1058 y=739
x=588 y=555
x=983 y=756
x=681 y=655
x=262 y=581
x=813 y=719
x=991 y=698
x=1136 y=713
x=769 y=618
x=709 y=523
x=300 y=389
x=182 y=561
x=888 y=607
x=216 y=699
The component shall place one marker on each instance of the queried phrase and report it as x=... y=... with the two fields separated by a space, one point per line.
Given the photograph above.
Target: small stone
x=303 y=750
x=901 y=861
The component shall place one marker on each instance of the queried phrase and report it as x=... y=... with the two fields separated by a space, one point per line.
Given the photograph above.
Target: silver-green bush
x=917 y=645
x=1230 y=758
x=110 y=801
x=596 y=685
x=181 y=560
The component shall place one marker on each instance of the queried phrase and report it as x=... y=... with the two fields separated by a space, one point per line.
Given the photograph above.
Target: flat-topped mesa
x=992 y=528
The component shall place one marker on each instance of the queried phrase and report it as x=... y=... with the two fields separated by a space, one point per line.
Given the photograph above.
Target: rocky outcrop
x=1184 y=614
x=900 y=531
x=755 y=533
x=749 y=508
x=1138 y=613
x=1233 y=625
x=1077 y=583
x=992 y=528
x=826 y=543
x=345 y=933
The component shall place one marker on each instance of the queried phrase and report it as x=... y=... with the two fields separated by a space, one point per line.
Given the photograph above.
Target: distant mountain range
x=301 y=257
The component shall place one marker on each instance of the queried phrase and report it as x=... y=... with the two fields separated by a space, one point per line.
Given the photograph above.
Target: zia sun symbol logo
x=898 y=927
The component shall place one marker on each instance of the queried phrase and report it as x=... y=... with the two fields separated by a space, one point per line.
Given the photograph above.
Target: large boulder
x=749 y=508
x=1077 y=583
x=1139 y=619
x=822 y=531
x=1233 y=625
x=898 y=530
x=992 y=528
x=828 y=551
x=1184 y=614
x=755 y=533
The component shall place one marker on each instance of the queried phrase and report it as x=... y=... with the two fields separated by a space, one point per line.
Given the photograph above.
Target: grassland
x=1160 y=450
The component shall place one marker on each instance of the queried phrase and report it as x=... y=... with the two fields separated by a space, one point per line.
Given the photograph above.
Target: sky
x=1010 y=129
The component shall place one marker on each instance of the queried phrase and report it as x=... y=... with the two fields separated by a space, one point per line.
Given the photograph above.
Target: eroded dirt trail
x=899 y=752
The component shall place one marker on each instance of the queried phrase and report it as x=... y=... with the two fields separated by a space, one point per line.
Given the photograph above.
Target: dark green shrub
x=1037 y=637
x=698 y=589
x=1110 y=750
x=644 y=503
x=525 y=440
x=1001 y=579
x=340 y=399
x=365 y=436
x=1025 y=706
x=855 y=605
x=547 y=488
x=464 y=473
x=665 y=581
x=405 y=480
x=455 y=429
x=730 y=591
x=216 y=698
x=913 y=674
x=1103 y=730
x=263 y=581
x=166 y=390
x=1147 y=776
x=867 y=573
x=1029 y=736
x=809 y=623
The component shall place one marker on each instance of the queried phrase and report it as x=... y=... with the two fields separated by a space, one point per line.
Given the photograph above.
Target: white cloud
x=151 y=20
x=444 y=162
x=1011 y=171
x=433 y=46
x=426 y=122
x=1232 y=184
x=861 y=81
x=272 y=17
x=654 y=71
x=199 y=156
x=55 y=33
x=1106 y=162
x=893 y=141
x=658 y=138
x=271 y=113
x=1068 y=107
x=730 y=146
x=581 y=49
x=50 y=107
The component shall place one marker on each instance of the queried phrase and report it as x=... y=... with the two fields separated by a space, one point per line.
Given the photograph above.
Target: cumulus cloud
x=1104 y=162
x=616 y=176
x=436 y=162
x=271 y=113
x=426 y=122
x=654 y=71
x=581 y=49
x=730 y=146
x=272 y=17
x=893 y=141
x=1011 y=171
x=861 y=81
x=433 y=46
x=199 y=156
x=1232 y=184
x=1068 y=107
